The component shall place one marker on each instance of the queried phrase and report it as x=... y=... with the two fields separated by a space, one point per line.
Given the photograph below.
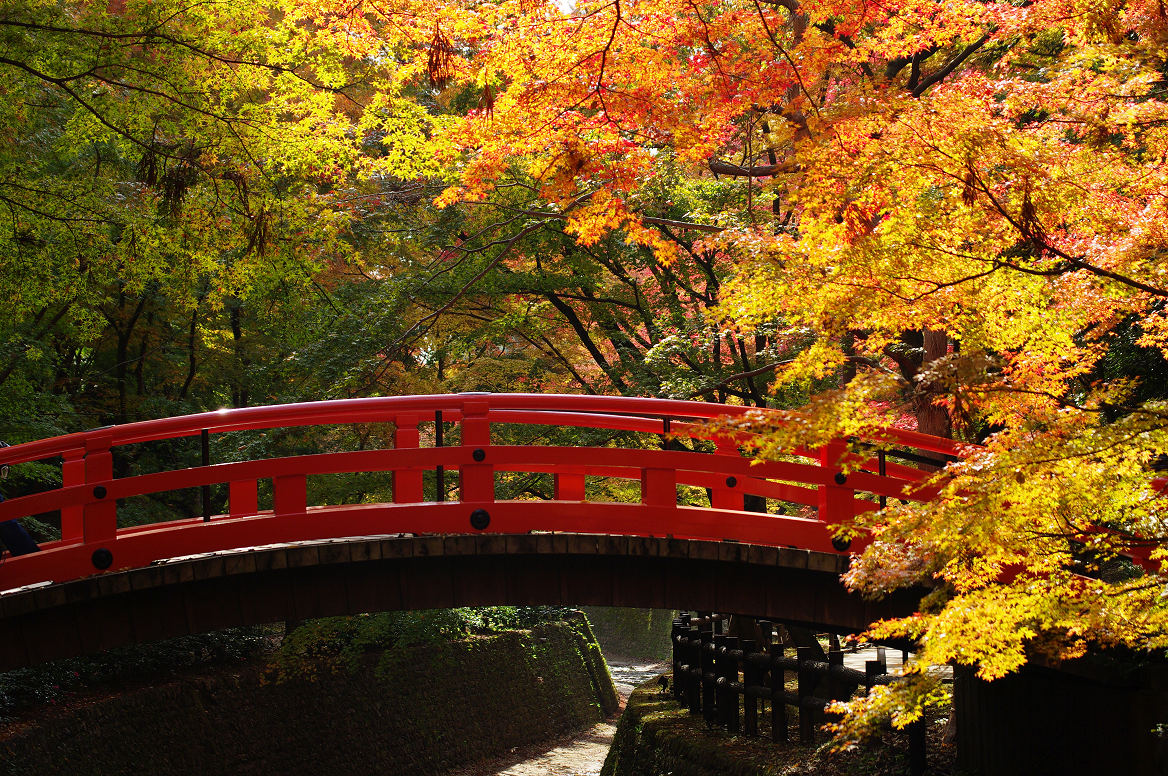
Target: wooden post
x=205 y=457
x=835 y=500
x=290 y=494
x=243 y=498
x=731 y=654
x=729 y=494
x=835 y=659
x=73 y=518
x=659 y=489
x=407 y=483
x=476 y=481
x=766 y=632
x=101 y=513
x=778 y=694
x=806 y=688
x=569 y=485
x=917 y=756
x=709 y=710
x=721 y=705
x=694 y=678
x=751 y=682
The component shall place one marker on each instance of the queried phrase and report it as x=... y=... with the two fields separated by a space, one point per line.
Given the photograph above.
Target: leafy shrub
x=335 y=644
x=49 y=683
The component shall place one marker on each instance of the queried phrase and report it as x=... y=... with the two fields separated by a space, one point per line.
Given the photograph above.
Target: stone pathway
x=578 y=755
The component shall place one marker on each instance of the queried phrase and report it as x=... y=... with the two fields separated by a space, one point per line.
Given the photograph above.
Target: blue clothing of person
x=15 y=538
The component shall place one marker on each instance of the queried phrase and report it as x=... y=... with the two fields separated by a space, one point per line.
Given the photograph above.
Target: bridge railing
x=831 y=484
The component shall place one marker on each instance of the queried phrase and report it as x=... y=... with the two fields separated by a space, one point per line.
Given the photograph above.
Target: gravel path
x=581 y=754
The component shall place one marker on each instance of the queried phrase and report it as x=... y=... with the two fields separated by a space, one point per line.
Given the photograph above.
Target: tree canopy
x=951 y=216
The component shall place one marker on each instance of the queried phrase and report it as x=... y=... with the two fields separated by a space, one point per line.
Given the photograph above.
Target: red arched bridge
x=464 y=546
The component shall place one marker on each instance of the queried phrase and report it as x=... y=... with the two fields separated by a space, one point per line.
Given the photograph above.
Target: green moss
x=656 y=737
x=637 y=634
x=418 y=708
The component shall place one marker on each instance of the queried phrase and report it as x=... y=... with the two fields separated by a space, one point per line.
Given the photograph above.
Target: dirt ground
x=581 y=754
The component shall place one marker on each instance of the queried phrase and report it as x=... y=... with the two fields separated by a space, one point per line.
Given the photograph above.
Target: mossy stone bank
x=416 y=709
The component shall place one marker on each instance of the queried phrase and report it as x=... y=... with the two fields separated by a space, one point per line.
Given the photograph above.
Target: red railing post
x=476 y=480
x=835 y=499
x=659 y=489
x=289 y=494
x=73 y=517
x=100 y=522
x=243 y=498
x=569 y=485
x=407 y=483
x=729 y=495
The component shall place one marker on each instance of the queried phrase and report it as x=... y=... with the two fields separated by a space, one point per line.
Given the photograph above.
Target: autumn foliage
x=953 y=215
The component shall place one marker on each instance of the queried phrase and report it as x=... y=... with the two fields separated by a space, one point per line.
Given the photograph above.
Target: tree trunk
x=932 y=418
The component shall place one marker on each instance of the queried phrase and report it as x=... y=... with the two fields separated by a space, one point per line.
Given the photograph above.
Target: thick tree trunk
x=932 y=418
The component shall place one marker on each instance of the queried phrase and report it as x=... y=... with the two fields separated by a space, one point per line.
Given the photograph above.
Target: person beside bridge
x=12 y=534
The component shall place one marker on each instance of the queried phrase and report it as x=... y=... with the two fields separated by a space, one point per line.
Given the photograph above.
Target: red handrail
x=92 y=541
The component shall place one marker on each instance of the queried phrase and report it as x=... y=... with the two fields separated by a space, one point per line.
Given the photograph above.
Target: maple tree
x=954 y=213
x=989 y=174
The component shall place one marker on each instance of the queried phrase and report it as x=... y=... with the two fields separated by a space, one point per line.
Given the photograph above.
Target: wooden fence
x=726 y=679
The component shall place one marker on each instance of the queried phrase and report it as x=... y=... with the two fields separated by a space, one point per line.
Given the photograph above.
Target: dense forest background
x=949 y=217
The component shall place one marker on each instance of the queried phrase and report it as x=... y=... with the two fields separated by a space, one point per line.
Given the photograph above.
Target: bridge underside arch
x=367 y=574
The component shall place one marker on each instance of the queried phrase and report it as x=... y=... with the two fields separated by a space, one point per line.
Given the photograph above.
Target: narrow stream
x=579 y=755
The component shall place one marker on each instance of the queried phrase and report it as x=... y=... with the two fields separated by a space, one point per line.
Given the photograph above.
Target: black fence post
x=766 y=632
x=693 y=656
x=806 y=689
x=835 y=658
x=718 y=707
x=872 y=669
x=918 y=761
x=708 y=677
x=720 y=669
x=917 y=756
x=732 y=654
x=751 y=684
x=778 y=694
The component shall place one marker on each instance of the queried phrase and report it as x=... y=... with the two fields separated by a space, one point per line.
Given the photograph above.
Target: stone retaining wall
x=416 y=710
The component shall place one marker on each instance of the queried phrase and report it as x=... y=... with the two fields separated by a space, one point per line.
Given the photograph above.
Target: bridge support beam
x=306 y=580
